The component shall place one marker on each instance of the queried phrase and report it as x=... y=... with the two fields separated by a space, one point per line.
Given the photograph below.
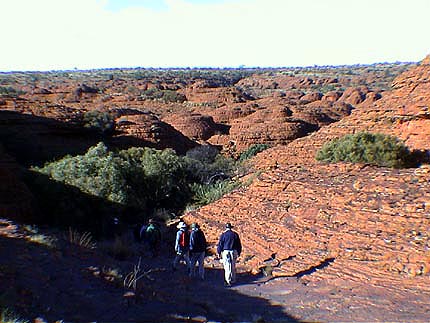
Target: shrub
x=252 y=151
x=98 y=172
x=204 y=154
x=207 y=193
x=133 y=177
x=202 y=168
x=101 y=121
x=374 y=149
x=157 y=176
x=10 y=91
x=86 y=191
x=90 y=187
x=163 y=95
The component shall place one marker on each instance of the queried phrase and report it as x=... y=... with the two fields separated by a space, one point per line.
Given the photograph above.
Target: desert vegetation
x=368 y=148
x=139 y=178
x=10 y=91
x=100 y=121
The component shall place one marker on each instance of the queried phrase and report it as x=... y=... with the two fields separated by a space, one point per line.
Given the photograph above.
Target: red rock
x=331 y=96
x=311 y=97
x=193 y=125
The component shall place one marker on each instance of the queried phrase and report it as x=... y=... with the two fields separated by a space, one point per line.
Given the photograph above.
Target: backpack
x=184 y=239
x=199 y=241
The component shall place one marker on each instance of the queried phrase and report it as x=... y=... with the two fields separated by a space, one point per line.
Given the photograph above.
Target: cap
x=228 y=225
x=181 y=225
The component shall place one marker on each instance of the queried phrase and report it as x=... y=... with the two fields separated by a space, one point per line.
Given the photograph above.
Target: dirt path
x=72 y=284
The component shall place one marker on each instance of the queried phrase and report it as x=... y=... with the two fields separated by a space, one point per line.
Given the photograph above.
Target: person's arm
x=205 y=243
x=220 y=245
x=239 y=245
x=178 y=236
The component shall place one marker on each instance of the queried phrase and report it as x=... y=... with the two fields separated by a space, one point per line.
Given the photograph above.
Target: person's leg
x=152 y=249
x=176 y=261
x=201 y=260
x=233 y=266
x=187 y=258
x=193 y=260
x=156 y=249
x=227 y=261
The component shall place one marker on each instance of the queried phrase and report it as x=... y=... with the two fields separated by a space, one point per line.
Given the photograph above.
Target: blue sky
x=85 y=34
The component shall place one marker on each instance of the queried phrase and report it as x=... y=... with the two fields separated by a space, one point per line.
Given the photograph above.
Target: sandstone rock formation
x=193 y=125
x=271 y=126
x=146 y=129
x=341 y=221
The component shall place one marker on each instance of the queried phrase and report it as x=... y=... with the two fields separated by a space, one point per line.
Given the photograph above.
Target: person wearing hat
x=197 y=250
x=229 y=249
x=182 y=245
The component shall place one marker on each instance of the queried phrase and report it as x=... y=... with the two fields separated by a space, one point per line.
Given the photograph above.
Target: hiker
x=152 y=237
x=182 y=244
x=197 y=251
x=229 y=249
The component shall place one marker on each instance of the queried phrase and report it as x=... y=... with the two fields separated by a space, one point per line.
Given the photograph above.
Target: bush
x=374 y=149
x=138 y=177
x=204 y=154
x=88 y=191
x=99 y=173
x=207 y=193
x=205 y=166
x=158 y=177
x=252 y=151
x=9 y=91
x=163 y=95
x=103 y=122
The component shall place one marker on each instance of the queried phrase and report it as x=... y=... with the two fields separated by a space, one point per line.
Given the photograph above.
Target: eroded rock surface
x=342 y=221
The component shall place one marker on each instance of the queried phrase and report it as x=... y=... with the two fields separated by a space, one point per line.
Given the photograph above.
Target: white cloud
x=63 y=34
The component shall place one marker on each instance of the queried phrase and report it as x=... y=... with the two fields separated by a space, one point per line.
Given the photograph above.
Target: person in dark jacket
x=229 y=249
x=197 y=250
x=153 y=237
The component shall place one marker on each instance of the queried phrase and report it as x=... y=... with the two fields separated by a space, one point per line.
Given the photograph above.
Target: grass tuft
x=84 y=240
x=7 y=316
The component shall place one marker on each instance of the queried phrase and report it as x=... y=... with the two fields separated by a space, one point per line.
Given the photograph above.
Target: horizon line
x=240 y=67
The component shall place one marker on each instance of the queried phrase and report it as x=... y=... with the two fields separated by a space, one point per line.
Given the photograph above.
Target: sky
x=41 y=35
